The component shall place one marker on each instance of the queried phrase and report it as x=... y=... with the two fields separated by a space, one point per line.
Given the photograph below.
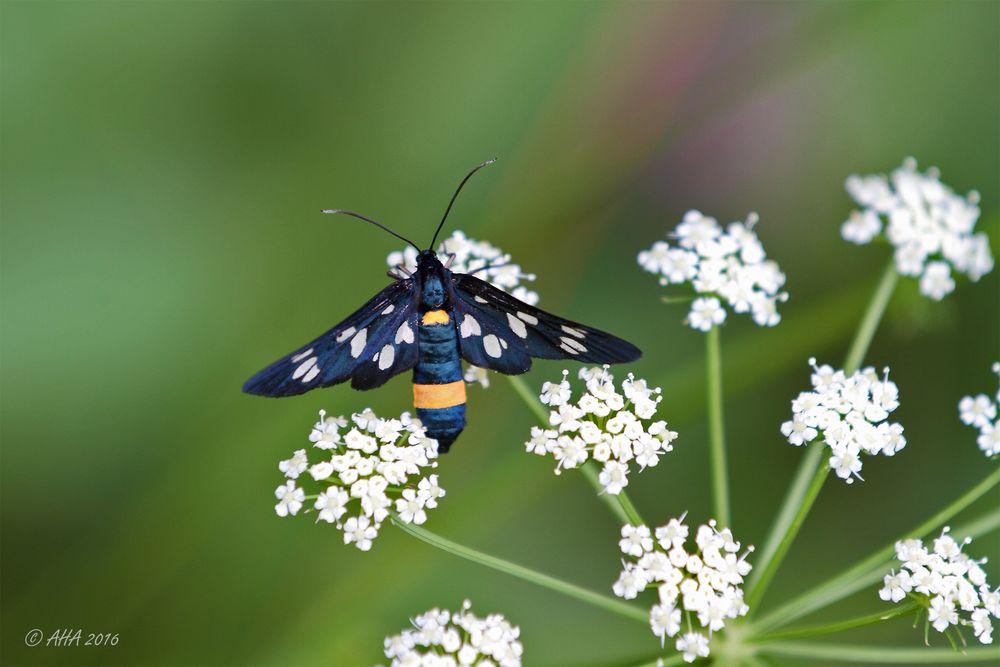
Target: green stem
x=716 y=428
x=621 y=505
x=873 y=315
x=814 y=460
x=839 y=626
x=880 y=654
x=767 y=574
x=572 y=590
x=872 y=568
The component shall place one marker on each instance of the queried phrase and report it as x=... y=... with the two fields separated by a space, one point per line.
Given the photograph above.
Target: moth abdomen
x=438 y=386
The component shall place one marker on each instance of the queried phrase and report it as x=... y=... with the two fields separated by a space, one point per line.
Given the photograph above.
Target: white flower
x=369 y=466
x=896 y=586
x=936 y=281
x=612 y=427
x=294 y=466
x=849 y=414
x=411 y=507
x=636 y=540
x=440 y=638
x=693 y=645
x=980 y=412
x=475 y=374
x=931 y=227
x=332 y=504
x=360 y=531
x=705 y=583
x=706 y=313
x=949 y=584
x=721 y=265
x=290 y=499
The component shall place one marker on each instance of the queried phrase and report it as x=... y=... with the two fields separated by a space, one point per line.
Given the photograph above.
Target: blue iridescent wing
x=375 y=343
x=525 y=328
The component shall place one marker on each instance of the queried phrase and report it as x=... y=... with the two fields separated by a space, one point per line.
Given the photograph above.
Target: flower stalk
x=716 y=428
x=545 y=581
x=791 y=516
x=839 y=626
x=869 y=570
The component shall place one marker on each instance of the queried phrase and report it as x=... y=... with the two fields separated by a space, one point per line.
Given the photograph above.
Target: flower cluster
x=487 y=262
x=852 y=415
x=947 y=583
x=440 y=638
x=368 y=466
x=612 y=428
x=721 y=264
x=480 y=257
x=980 y=412
x=930 y=226
x=706 y=583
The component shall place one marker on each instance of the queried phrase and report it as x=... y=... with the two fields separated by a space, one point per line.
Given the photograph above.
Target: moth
x=428 y=321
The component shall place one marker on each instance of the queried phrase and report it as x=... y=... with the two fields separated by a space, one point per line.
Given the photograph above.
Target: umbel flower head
x=931 y=227
x=613 y=428
x=723 y=265
x=950 y=586
x=703 y=585
x=440 y=637
x=850 y=414
x=980 y=412
x=361 y=469
x=487 y=262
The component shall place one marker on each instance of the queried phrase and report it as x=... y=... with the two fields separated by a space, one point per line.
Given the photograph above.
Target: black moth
x=428 y=321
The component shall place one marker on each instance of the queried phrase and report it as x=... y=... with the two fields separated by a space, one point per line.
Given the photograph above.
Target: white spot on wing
x=311 y=375
x=517 y=326
x=479 y=299
x=573 y=332
x=572 y=346
x=386 y=357
x=299 y=357
x=388 y=309
x=404 y=334
x=345 y=334
x=530 y=319
x=358 y=343
x=470 y=327
x=492 y=346
x=304 y=368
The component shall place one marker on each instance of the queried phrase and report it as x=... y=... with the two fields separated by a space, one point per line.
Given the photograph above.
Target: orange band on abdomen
x=435 y=317
x=439 y=395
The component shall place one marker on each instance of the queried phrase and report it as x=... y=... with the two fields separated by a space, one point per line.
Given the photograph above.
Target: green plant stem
x=767 y=574
x=791 y=510
x=872 y=568
x=716 y=428
x=880 y=654
x=572 y=590
x=621 y=505
x=839 y=626
x=530 y=399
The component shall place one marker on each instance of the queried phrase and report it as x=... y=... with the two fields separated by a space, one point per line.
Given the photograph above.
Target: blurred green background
x=163 y=167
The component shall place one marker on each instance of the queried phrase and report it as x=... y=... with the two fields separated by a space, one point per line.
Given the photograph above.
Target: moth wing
x=346 y=349
x=541 y=334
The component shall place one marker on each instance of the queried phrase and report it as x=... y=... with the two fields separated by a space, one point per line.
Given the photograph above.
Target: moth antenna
x=374 y=222
x=454 y=197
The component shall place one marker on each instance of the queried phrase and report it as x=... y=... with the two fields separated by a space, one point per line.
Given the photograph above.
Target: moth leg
x=451 y=260
x=398 y=272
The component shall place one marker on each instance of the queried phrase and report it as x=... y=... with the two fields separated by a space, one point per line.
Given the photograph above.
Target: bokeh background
x=163 y=167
